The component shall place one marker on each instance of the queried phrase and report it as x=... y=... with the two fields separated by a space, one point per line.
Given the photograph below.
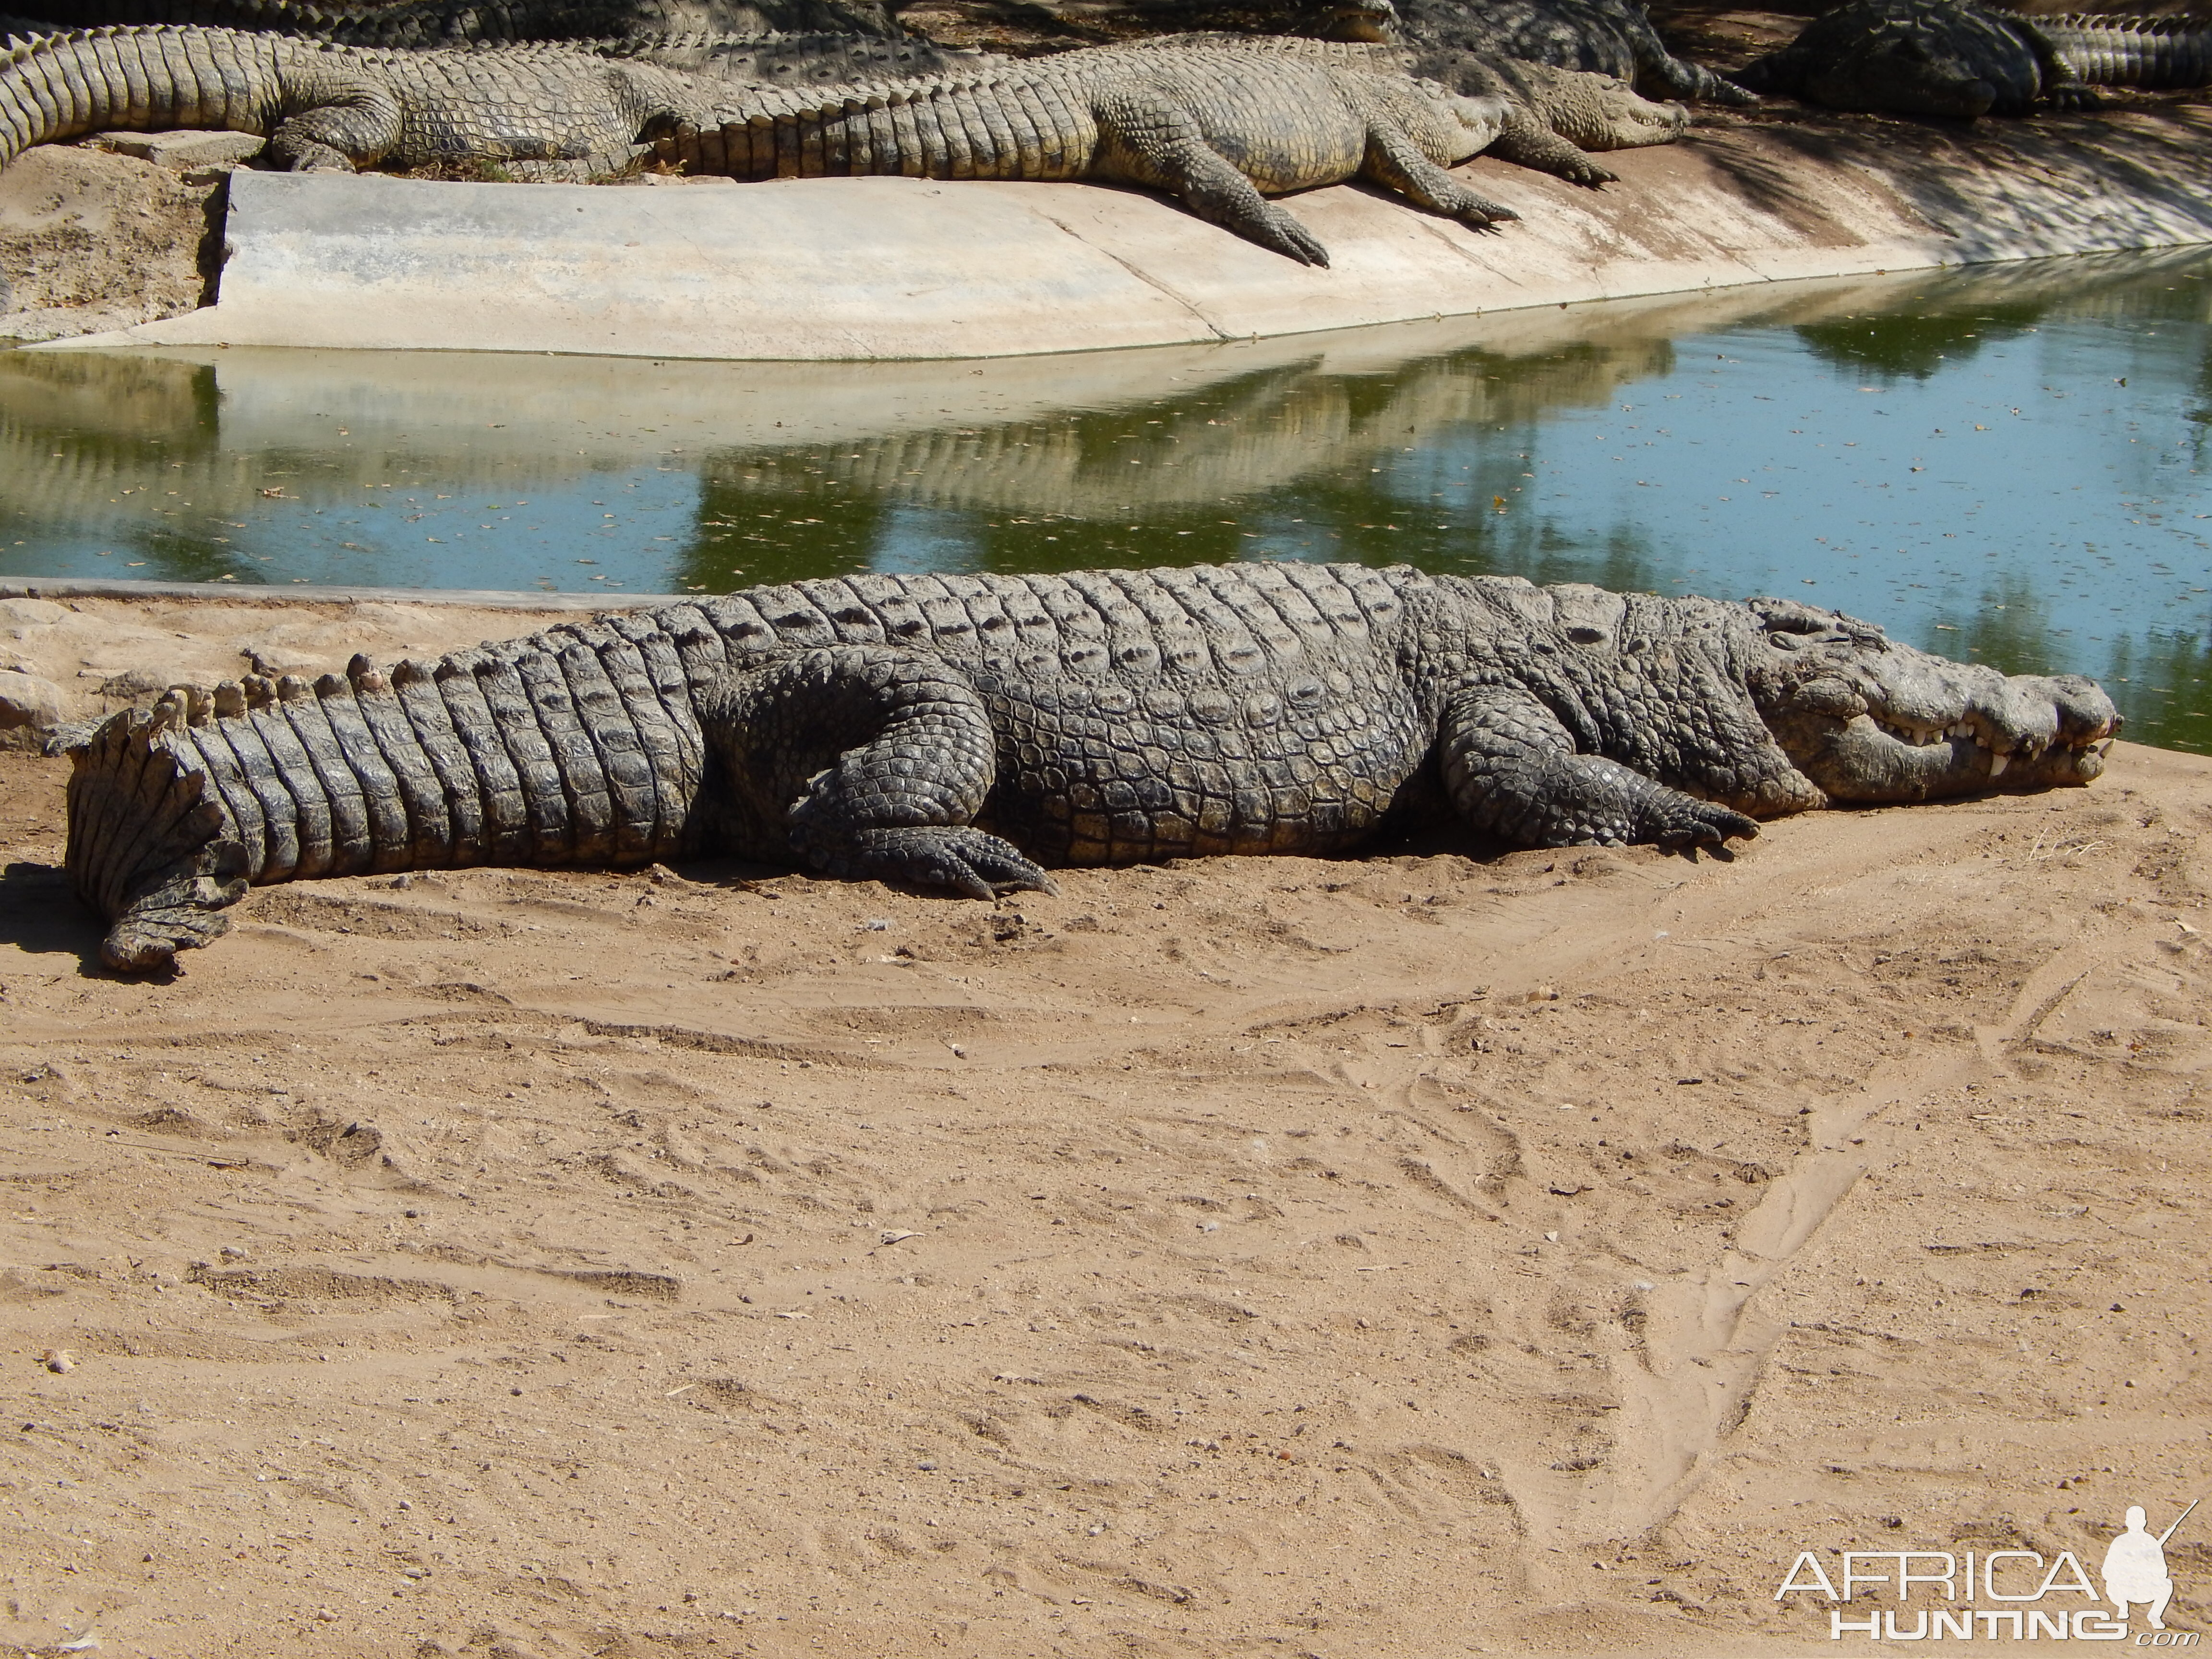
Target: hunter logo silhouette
x=2135 y=1566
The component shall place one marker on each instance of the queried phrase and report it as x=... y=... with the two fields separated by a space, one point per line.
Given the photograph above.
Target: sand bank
x=1427 y=1254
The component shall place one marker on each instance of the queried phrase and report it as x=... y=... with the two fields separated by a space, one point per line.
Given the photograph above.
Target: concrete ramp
x=898 y=268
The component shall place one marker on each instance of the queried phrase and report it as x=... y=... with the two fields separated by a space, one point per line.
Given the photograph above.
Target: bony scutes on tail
x=967 y=732
x=1220 y=130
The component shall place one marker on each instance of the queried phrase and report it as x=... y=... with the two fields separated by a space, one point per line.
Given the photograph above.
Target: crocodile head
x=1868 y=719
x=1375 y=21
x=1624 y=119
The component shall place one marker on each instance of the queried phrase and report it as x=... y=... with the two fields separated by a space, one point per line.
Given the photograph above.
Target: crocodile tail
x=132 y=79
x=2132 y=51
x=151 y=847
x=575 y=746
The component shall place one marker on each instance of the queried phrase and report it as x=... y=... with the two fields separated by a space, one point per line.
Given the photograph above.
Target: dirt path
x=1409 y=1256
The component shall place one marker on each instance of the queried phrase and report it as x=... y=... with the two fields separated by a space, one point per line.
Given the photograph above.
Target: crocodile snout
x=1900 y=725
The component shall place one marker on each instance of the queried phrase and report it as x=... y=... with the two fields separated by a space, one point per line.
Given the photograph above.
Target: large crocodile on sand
x=1954 y=58
x=1217 y=130
x=966 y=732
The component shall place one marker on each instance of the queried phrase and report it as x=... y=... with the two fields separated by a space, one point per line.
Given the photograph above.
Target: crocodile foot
x=1677 y=823
x=967 y=860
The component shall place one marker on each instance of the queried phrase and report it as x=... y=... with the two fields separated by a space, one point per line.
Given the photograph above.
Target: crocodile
x=1219 y=129
x=1172 y=121
x=332 y=109
x=1603 y=37
x=1954 y=58
x=1553 y=117
x=967 y=732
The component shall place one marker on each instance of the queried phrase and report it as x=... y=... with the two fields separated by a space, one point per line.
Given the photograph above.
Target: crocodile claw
x=967 y=860
x=1687 y=823
x=1278 y=230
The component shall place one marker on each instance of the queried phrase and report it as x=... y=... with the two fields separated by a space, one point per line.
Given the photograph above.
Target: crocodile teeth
x=1997 y=763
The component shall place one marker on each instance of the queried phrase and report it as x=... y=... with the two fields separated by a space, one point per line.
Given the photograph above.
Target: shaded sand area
x=1428 y=1254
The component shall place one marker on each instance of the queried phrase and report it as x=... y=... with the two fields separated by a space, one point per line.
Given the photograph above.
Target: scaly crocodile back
x=2132 y=51
x=793 y=59
x=1017 y=123
x=582 y=744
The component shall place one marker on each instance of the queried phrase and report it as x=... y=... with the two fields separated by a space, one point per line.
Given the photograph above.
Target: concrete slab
x=896 y=268
x=185 y=151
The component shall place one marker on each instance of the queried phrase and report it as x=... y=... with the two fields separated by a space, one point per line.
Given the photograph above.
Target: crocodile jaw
x=1875 y=721
x=1861 y=760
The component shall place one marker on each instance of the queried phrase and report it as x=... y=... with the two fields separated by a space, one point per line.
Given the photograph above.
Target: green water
x=2005 y=466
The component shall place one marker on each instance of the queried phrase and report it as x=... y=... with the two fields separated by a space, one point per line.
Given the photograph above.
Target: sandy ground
x=1435 y=1253
x=89 y=241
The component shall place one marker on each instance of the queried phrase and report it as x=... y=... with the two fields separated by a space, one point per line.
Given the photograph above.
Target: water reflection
x=2003 y=465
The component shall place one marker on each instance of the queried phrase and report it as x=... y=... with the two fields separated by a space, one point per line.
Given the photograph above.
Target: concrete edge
x=71 y=587
x=887 y=270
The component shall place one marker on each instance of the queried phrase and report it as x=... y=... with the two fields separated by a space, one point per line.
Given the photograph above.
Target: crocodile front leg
x=1510 y=768
x=1149 y=142
x=1528 y=143
x=862 y=761
x=1393 y=160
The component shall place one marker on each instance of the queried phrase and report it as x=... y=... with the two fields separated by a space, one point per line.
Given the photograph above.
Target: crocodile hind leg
x=151 y=850
x=352 y=124
x=1510 y=768
x=862 y=761
x=1393 y=160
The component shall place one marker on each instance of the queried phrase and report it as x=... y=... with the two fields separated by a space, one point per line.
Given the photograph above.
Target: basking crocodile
x=1552 y=116
x=1169 y=120
x=965 y=731
x=1220 y=129
x=1952 y=58
x=332 y=107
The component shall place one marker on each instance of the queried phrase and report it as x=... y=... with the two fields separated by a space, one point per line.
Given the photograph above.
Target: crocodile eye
x=1585 y=635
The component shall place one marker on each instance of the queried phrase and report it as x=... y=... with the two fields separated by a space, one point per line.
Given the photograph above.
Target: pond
x=2006 y=464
